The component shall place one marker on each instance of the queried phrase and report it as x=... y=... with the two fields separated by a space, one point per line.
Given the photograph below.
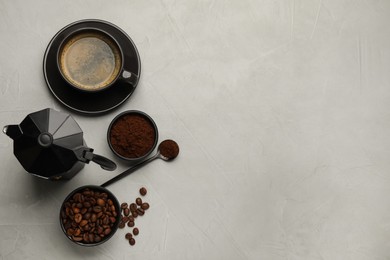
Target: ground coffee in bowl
x=132 y=135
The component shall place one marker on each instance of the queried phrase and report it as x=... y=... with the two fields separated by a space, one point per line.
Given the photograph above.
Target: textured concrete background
x=281 y=109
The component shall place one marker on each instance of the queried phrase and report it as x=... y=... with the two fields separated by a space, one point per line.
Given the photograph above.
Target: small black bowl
x=149 y=120
x=115 y=225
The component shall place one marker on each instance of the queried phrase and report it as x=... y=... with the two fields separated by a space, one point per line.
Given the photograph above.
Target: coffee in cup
x=91 y=60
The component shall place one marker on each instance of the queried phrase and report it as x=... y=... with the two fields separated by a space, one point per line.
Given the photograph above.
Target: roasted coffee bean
x=128 y=235
x=135 y=231
x=145 y=206
x=86 y=237
x=89 y=216
x=87 y=204
x=138 y=201
x=107 y=231
x=131 y=218
x=100 y=202
x=83 y=222
x=76 y=196
x=125 y=219
x=70 y=231
x=78 y=217
x=77 y=232
x=143 y=191
x=126 y=211
x=140 y=212
x=100 y=230
x=97 y=209
x=132 y=241
x=99 y=215
x=106 y=220
x=134 y=214
x=124 y=205
x=122 y=224
x=77 y=238
x=92 y=201
x=87 y=227
x=67 y=225
x=130 y=224
x=133 y=207
x=112 y=208
x=97 y=239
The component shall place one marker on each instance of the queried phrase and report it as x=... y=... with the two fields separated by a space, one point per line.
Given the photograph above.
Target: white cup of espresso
x=91 y=60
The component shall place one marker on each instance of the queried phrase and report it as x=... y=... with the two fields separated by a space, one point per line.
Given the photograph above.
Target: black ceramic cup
x=113 y=227
x=91 y=60
x=132 y=135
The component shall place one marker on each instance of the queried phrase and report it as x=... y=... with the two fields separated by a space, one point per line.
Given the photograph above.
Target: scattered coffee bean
x=130 y=224
x=125 y=219
x=143 y=191
x=133 y=207
x=131 y=212
x=145 y=206
x=140 y=212
x=132 y=241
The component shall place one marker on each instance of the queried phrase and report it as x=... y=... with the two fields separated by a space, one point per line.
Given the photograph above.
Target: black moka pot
x=50 y=144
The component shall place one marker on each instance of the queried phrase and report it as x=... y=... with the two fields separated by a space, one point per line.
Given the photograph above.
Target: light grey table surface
x=281 y=109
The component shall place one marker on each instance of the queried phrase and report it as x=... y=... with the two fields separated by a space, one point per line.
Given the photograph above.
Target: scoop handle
x=130 y=170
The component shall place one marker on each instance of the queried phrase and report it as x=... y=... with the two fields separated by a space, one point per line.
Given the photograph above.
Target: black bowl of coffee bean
x=90 y=215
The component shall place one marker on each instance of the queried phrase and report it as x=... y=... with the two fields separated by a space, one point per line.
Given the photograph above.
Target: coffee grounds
x=169 y=149
x=132 y=136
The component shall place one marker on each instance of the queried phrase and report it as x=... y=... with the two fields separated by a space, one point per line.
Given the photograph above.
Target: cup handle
x=129 y=77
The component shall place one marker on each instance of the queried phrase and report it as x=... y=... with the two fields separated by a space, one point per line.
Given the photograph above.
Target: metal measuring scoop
x=167 y=150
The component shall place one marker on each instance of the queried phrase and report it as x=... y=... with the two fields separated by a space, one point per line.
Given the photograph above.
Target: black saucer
x=90 y=103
